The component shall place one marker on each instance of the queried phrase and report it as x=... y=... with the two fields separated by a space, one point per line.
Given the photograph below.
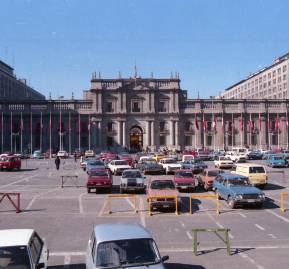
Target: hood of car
x=183 y=179
x=100 y=178
x=136 y=179
x=245 y=190
x=164 y=192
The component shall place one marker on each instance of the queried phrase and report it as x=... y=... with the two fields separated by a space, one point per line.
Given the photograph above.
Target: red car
x=108 y=155
x=10 y=163
x=185 y=180
x=127 y=158
x=99 y=179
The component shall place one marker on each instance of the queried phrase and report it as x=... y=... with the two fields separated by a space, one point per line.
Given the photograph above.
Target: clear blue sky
x=212 y=44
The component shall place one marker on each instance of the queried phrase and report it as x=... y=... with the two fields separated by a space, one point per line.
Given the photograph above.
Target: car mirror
x=165 y=258
x=40 y=265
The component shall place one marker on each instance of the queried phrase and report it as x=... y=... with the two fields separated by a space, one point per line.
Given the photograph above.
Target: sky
x=212 y=44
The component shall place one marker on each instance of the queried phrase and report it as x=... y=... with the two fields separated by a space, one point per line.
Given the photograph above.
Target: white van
x=22 y=248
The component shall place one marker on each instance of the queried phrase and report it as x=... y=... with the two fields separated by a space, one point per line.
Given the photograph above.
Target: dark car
x=195 y=165
x=255 y=155
x=237 y=190
x=150 y=166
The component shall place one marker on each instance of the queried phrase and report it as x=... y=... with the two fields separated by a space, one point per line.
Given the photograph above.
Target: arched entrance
x=136 y=138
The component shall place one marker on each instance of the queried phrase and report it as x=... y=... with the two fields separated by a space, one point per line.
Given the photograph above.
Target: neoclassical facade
x=140 y=113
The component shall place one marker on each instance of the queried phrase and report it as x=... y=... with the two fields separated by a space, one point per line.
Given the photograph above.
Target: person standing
x=75 y=157
x=57 y=162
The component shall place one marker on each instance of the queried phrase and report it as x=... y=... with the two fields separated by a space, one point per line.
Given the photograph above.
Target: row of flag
x=251 y=123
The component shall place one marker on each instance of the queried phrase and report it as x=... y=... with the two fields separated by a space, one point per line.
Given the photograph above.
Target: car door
x=38 y=252
x=90 y=253
x=221 y=187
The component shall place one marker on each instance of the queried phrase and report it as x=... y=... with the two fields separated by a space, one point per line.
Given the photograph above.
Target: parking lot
x=65 y=217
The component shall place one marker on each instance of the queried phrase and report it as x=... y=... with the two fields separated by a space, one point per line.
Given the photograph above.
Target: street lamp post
x=15 y=137
x=61 y=133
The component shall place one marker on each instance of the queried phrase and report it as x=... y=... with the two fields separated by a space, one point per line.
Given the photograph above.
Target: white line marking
x=80 y=202
x=142 y=213
x=102 y=209
x=260 y=227
x=76 y=253
x=189 y=235
x=277 y=215
x=130 y=202
x=66 y=260
x=251 y=260
x=183 y=224
x=21 y=180
x=37 y=196
x=242 y=215
x=273 y=236
x=219 y=225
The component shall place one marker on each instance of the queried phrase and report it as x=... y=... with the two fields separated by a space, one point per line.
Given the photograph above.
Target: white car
x=132 y=180
x=122 y=246
x=170 y=165
x=223 y=162
x=89 y=153
x=22 y=248
x=62 y=154
x=116 y=167
x=237 y=157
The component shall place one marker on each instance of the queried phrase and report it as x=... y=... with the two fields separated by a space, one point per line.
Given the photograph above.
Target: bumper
x=95 y=186
x=154 y=170
x=163 y=204
x=249 y=201
x=185 y=187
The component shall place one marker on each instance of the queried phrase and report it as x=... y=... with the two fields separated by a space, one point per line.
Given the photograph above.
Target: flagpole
x=79 y=130
x=2 y=135
x=41 y=131
x=250 y=139
x=89 y=132
x=287 y=129
x=233 y=126
x=21 y=140
x=223 y=129
x=195 y=133
x=204 y=133
x=11 y=137
x=69 y=118
x=50 y=125
x=241 y=130
x=31 y=133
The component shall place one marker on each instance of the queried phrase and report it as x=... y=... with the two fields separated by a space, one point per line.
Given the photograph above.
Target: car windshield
x=134 y=174
x=132 y=252
x=214 y=173
x=162 y=184
x=278 y=158
x=150 y=161
x=238 y=182
x=169 y=161
x=225 y=159
x=120 y=163
x=14 y=257
x=98 y=174
x=184 y=174
x=256 y=169
x=95 y=163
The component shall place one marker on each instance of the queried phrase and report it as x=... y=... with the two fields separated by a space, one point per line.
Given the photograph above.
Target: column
x=172 y=132
x=124 y=134
x=177 y=135
x=263 y=133
x=99 y=134
x=148 y=131
x=119 y=133
x=152 y=133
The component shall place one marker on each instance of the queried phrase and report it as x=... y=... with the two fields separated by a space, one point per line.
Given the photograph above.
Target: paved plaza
x=65 y=217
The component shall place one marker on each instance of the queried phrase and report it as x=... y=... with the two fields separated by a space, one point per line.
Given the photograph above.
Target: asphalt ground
x=65 y=217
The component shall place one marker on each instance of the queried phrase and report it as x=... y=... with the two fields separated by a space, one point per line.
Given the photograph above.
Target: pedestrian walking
x=75 y=157
x=57 y=162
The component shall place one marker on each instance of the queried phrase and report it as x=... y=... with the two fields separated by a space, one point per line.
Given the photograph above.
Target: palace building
x=140 y=113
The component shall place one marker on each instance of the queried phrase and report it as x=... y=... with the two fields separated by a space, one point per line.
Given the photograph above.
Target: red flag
x=251 y=123
x=260 y=122
x=268 y=123
x=204 y=123
x=277 y=123
x=223 y=123
x=242 y=124
x=196 y=122
x=214 y=123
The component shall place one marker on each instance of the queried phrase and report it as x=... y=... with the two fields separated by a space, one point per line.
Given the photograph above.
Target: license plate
x=183 y=187
x=166 y=206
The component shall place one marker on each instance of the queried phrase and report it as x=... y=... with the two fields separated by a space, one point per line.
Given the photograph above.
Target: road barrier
x=110 y=197
x=205 y=196
x=71 y=178
x=283 y=195
x=226 y=240
x=9 y=196
x=151 y=199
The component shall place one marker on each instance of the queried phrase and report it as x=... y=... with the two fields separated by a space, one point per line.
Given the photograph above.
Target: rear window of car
x=127 y=174
x=98 y=174
x=213 y=173
x=120 y=163
x=184 y=174
x=256 y=169
x=162 y=184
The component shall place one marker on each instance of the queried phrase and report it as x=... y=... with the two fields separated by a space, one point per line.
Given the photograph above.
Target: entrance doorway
x=136 y=138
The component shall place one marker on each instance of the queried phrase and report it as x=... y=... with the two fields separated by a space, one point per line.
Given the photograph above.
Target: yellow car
x=158 y=157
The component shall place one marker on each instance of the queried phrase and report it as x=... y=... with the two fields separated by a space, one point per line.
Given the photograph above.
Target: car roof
x=249 y=164
x=232 y=176
x=161 y=179
x=131 y=170
x=15 y=237
x=112 y=232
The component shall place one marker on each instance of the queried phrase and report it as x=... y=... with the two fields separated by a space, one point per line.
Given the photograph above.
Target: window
x=284 y=77
x=109 y=107
x=188 y=126
x=109 y=126
x=135 y=106
x=162 y=126
x=188 y=140
x=162 y=107
x=279 y=71
x=36 y=248
x=269 y=75
x=284 y=68
x=162 y=140
x=274 y=73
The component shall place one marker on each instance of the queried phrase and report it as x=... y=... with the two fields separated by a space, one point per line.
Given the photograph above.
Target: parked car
x=170 y=165
x=47 y=154
x=108 y=155
x=256 y=173
x=62 y=154
x=276 y=161
x=255 y=155
x=207 y=177
x=122 y=246
x=223 y=162
x=185 y=180
x=237 y=190
x=92 y=164
x=89 y=153
x=77 y=153
x=22 y=248
x=162 y=188
x=149 y=166
x=187 y=157
x=204 y=155
x=10 y=163
x=236 y=157
x=158 y=156
x=126 y=157
x=99 y=179
x=132 y=181
x=118 y=166
x=37 y=154
x=195 y=165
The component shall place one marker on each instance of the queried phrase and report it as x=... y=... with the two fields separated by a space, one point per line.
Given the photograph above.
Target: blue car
x=237 y=190
x=195 y=165
x=276 y=161
x=93 y=164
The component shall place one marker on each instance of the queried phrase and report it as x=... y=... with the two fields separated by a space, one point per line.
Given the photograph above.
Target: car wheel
x=231 y=202
x=259 y=205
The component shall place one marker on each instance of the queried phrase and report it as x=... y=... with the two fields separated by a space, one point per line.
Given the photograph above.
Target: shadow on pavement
x=68 y=266
x=272 y=187
x=182 y=266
